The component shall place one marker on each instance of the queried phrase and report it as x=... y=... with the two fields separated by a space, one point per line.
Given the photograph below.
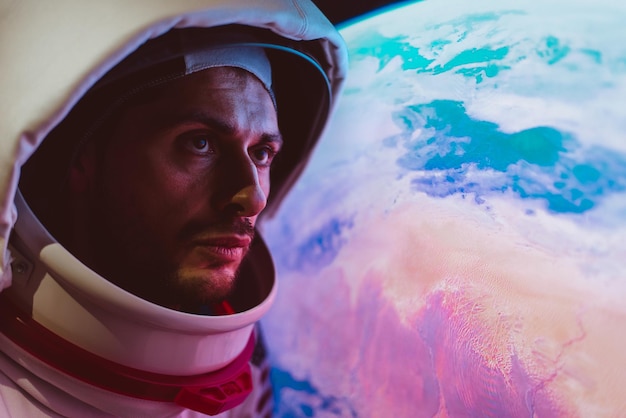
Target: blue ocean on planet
x=541 y=162
x=537 y=163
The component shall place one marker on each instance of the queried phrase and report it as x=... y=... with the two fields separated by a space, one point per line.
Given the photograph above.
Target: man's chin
x=197 y=287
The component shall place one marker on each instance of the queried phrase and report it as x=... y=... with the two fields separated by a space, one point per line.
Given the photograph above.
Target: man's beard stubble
x=192 y=292
x=129 y=258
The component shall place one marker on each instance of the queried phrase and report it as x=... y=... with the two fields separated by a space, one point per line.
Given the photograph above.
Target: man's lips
x=224 y=247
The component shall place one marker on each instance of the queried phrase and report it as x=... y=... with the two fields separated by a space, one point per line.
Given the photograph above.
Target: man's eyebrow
x=215 y=123
x=203 y=118
x=276 y=139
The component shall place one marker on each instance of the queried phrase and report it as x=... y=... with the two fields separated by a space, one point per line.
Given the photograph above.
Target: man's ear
x=83 y=170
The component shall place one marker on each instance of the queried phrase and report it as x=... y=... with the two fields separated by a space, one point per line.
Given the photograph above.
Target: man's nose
x=244 y=195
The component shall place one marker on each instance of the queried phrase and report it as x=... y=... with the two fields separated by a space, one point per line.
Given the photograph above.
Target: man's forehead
x=213 y=85
x=226 y=99
x=214 y=78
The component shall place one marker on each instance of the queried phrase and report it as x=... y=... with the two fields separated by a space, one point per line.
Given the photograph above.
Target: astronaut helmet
x=70 y=315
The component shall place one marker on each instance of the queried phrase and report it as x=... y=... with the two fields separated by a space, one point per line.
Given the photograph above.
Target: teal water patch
x=306 y=400
x=479 y=73
x=456 y=154
x=373 y=44
x=478 y=63
x=475 y=62
x=595 y=55
x=439 y=44
x=553 y=51
x=473 y=56
x=466 y=62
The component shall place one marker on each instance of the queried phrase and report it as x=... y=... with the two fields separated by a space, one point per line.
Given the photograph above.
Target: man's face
x=179 y=187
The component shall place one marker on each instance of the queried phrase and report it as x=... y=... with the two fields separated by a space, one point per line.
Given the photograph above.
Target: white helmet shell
x=77 y=304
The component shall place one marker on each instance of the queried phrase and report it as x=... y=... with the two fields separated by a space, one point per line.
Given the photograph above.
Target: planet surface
x=457 y=246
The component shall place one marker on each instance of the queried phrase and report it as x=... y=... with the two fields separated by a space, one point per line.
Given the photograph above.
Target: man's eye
x=263 y=155
x=198 y=144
